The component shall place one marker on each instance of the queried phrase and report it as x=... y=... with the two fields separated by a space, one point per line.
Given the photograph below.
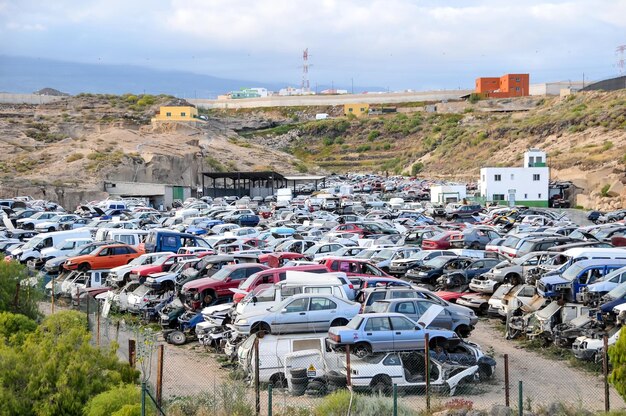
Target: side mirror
x=254 y=300
x=284 y=310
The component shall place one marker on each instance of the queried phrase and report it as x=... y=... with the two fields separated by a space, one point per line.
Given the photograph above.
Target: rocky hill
x=66 y=149
x=584 y=135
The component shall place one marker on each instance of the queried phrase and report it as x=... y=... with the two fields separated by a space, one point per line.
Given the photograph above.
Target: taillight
x=351 y=286
x=145 y=299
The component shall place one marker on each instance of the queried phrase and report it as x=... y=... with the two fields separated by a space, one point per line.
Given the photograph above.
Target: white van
x=576 y=254
x=267 y=295
x=64 y=247
x=130 y=237
x=32 y=249
x=274 y=351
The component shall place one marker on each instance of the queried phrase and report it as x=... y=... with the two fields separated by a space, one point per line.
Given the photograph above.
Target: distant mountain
x=25 y=75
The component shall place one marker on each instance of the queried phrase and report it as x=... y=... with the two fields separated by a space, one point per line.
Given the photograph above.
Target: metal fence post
x=427 y=369
x=98 y=324
x=395 y=399
x=520 y=399
x=506 y=381
x=132 y=352
x=88 y=312
x=159 y=385
x=269 y=400
x=605 y=371
x=52 y=306
x=257 y=392
x=143 y=398
x=348 y=371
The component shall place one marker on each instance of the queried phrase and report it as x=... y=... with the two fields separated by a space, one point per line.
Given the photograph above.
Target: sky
x=394 y=44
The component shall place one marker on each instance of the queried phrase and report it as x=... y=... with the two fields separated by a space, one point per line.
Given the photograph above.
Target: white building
x=554 y=88
x=443 y=194
x=526 y=185
x=261 y=91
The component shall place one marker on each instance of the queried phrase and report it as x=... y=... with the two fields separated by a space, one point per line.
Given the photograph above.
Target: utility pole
x=352 y=82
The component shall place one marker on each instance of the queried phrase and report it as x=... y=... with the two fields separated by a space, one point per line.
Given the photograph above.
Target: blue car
x=374 y=332
x=612 y=299
x=570 y=283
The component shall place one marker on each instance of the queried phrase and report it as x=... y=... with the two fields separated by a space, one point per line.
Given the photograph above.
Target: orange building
x=509 y=85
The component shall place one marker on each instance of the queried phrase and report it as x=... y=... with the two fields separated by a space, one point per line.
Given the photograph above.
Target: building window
x=498 y=197
x=516 y=88
x=168 y=114
x=183 y=114
x=538 y=159
x=536 y=177
x=483 y=178
x=516 y=79
x=512 y=176
x=539 y=196
x=497 y=178
x=525 y=196
x=362 y=110
x=350 y=109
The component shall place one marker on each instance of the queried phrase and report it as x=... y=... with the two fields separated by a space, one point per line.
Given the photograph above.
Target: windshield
x=380 y=307
x=437 y=262
x=511 y=241
x=604 y=233
x=374 y=358
x=366 y=254
x=419 y=255
x=223 y=273
x=385 y=254
x=617 y=292
x=526 y=247
x=32 y=243
x=311 y=250
x=572 y=271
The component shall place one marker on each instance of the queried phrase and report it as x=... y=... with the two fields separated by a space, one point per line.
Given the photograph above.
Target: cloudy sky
x=399 y=44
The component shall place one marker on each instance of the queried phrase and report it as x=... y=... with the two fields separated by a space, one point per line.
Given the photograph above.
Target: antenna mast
x=306 y=88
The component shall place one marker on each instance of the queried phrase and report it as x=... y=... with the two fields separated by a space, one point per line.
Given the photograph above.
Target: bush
x=230 y=399
x=604 y=192
x=474 y=98
x=607 y=145
x=112 y=401
x=416 y=168
x=74 y=157
x=14 y=297
x=336 y=404
x=374 y=134
x=14 y=328
x=364 y=148
x=617 y=357
x=328 y=141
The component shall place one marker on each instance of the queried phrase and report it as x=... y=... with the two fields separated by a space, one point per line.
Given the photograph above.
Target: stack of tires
x=335 y=381
x=316 y=387
x=299 y=381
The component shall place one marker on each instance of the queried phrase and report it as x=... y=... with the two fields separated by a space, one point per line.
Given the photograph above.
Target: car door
x=322 y=311
x=103 y=259
x=405 y=334
x=292 y=318
x=377 y=331
x=408 y=308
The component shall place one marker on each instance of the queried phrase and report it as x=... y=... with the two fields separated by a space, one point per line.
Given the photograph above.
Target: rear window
x=355 y=323
x=374 y=297
x=511 y=241
x=380 y=307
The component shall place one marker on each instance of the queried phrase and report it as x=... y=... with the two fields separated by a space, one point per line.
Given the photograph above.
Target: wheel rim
x=361 y=351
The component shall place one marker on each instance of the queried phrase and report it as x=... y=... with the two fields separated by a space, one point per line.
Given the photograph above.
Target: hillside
x=584 y=135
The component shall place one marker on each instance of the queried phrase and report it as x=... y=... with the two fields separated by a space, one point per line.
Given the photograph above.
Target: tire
x=177 y=338
x=361 y=349
x=297 y=381
x=298 y=372
x=209 y=298
x=84 y=267
x=381 y=384
x=463 y=331
x=337 y=379
x=51 y=229
x=261 y=327
x=475 y=246
x=438 y=342
x=278 y=380
x=339 y=322
x=513 y=278
x=483 y=308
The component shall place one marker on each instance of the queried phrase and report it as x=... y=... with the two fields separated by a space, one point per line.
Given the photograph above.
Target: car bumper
x=242 y=329
x=469 y=304
x=496 y=312
x=70 y=266
x=483 y=286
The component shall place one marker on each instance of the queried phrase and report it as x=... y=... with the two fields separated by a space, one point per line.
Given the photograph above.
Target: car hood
x=57 y=260
x=78 y=259
x=202 y=283
x=554 y=280
x=46 y=224
x=601 y=286
x=254 y=314
x=429 y=316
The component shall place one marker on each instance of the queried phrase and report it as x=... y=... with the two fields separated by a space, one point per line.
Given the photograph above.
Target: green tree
x=55 y=371
x=617 y=357
x=113 y=400
x=15 y=297
x=416 y=168
x=14 y=328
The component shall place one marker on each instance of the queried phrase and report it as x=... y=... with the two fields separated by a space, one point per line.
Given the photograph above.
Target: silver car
x=299 y=313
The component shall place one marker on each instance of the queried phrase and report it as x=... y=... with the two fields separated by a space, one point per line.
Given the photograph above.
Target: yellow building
x=177 y=113
x=358 y=110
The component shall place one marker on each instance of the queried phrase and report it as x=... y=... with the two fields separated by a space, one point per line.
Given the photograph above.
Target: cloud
x=25 y=27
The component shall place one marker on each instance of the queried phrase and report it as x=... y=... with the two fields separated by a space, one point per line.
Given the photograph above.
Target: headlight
x=68 y=262
x=422 y=274
x=241 y=322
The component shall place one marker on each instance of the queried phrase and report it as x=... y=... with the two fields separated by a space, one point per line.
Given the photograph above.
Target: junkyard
x=311 y=297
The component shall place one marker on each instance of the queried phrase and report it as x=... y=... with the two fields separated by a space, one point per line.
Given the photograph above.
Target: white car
x=56 y=223
x=121 y=274
x=31 y=222
x=590 y=349
x=379 y=372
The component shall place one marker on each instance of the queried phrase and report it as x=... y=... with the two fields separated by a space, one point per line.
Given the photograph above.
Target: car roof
x=596 y=262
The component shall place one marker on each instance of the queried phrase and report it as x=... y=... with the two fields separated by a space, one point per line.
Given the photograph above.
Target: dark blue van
x=167 y=240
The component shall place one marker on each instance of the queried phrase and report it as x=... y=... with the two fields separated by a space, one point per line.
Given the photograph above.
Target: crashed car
x=542 y=323
x=590 y=349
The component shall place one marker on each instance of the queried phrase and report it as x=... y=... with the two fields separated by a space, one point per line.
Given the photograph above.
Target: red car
x=451 y=296
x=208 y=290
x=270 y=276
x=278 y=259
x=353 y=267
x=161 y=265
x=441 y=241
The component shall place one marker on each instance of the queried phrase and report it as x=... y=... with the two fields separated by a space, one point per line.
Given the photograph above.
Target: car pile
x=364 y=267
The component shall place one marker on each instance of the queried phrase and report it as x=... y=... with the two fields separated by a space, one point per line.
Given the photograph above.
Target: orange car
x=103 y=257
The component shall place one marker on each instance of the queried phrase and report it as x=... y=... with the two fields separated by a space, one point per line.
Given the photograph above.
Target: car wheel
x=475 y=246
x=339 y=322
x=483 y=308
x=51 y=229
x=209 y=298
x=261 y=327
x=177 y=338
x=463 y=331
x=84 y=267
x=278 y=380
x=513 y=278
x=362 y=349
x=381 y=384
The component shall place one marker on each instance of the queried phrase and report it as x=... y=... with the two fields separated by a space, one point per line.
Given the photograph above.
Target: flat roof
x=305 y=178
x=264 y=175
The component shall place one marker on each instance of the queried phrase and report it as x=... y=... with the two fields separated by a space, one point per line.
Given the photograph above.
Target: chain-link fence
x=292 y=375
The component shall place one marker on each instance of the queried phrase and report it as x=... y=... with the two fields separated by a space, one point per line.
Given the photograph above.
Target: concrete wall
x=6 y=98
x=322 y=100
x=440 y=193
x=554 y=88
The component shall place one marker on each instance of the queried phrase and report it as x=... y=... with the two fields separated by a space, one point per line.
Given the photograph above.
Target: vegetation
x=617 y=358
x=119 y=401
x=228 y=399
x=52 y=369
x=605 y=190
x=74 y=157
x=14 y=297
